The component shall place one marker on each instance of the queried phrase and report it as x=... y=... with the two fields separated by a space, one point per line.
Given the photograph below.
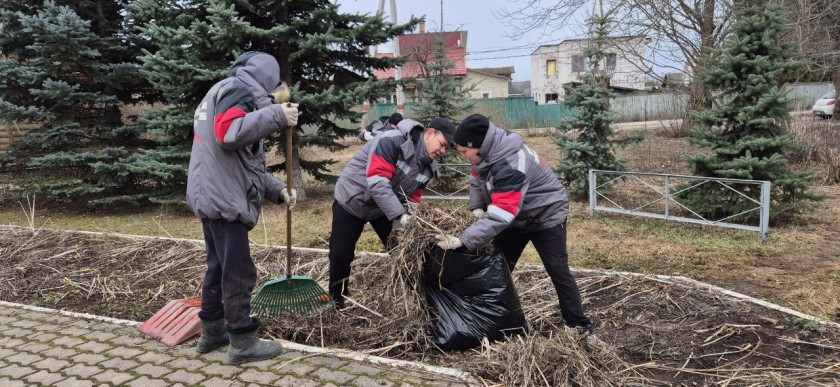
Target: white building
x=554 y=67
x=488 y=82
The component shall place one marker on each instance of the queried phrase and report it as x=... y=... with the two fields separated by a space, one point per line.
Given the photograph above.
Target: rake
x=292 y=293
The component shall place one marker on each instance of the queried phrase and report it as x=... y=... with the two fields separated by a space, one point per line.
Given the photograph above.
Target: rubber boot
x=213 y=336
x=338 y=300
x=337 y=293
x=247 y=347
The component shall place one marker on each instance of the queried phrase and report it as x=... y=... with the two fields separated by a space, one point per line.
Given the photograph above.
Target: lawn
x=798 y=267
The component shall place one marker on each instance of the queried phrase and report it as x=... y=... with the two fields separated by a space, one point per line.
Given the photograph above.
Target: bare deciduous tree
x=815 y=31
x=683 y=32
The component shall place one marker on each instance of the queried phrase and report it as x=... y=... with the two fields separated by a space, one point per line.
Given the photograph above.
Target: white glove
x=367 y=135
x=479 y=213
x=290 y=110
x=289 y=199
x=448 y=242
x=402 y=221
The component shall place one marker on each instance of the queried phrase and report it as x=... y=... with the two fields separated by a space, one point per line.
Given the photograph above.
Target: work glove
x=401 y=222
x=290 y=110
x=479 y=213
x=367 y=135
x=448 y=242
x=290 y=199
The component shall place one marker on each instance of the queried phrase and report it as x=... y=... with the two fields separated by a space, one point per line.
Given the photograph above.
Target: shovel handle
x=289 y=133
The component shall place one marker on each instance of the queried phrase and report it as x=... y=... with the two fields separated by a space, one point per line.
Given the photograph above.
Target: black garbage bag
x=471 y=296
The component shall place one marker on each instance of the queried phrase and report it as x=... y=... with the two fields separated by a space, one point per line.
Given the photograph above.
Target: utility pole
x=441 y=15
x=379 y=11
x=398 y=76
x=398 y=72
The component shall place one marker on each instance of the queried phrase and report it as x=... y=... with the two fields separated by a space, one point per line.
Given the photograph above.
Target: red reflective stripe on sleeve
x=472 y=172
x=508 y=201
x=415 y=197
x=223 y=121
x=380 y=167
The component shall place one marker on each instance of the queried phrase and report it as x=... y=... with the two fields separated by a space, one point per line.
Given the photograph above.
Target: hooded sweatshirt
x=227 y=178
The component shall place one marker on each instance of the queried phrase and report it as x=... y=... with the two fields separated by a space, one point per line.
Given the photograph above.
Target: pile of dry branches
x=387 y=315
x=553 y=357
x=64 y=269
x=650 y=331
x=386 y=306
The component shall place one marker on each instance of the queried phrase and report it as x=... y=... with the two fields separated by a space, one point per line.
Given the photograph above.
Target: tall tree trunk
x=298 y=175
x=699 y=95
x=835 y=38
x=297 y=171
x=836 y=115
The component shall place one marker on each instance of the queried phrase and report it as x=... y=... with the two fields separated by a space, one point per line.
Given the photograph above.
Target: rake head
x=295 y=294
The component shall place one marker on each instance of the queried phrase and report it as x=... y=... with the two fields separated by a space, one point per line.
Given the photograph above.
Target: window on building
x=578 y=63
x=550 y=97
x=611 y=60
x=485 y=94
x=551 y=68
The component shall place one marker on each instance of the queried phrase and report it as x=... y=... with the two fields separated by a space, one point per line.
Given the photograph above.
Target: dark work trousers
x=551 y=246
x=230 y=276
x=346 y=231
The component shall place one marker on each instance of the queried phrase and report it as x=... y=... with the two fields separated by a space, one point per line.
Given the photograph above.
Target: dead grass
x=820 y=146
x=799 y=267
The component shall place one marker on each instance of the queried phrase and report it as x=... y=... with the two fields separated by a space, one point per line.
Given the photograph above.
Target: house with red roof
x=420 y=47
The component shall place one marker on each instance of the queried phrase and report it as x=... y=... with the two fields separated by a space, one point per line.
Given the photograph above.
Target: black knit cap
x=395 y=118
x=444 y=126
x=471 y=131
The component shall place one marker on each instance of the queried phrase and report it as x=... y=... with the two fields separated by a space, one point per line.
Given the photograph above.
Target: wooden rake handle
x=289 y=133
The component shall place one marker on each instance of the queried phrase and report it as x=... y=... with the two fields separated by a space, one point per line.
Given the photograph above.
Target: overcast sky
x=487 y=42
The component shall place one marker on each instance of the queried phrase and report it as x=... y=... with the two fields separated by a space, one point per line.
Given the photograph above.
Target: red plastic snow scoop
x=175 y=322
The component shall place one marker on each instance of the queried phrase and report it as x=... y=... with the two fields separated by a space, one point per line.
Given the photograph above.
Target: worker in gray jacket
x=385 y=173
x=226 y=185
x=517 y=199
x=379 y=126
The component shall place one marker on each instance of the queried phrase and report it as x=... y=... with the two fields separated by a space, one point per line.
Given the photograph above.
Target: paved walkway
x=48 y=348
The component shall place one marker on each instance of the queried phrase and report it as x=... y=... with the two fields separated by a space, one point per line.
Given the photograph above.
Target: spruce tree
x=595 y=144
x=439 y=94
x=69 y=78
x=323 y=55
x=744 y=132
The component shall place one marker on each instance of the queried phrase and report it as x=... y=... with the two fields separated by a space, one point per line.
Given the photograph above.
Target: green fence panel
x=508 y=113
x=523 y=113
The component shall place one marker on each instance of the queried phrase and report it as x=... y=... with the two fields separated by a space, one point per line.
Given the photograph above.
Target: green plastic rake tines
x=295 y=294
x=292 y=293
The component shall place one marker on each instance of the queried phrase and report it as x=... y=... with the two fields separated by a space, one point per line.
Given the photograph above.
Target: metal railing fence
x=665 y=198
x=460 y=190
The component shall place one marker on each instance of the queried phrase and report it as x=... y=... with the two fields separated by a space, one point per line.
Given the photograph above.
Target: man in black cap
x=516 y=198
x=379 y=126
x=388 y=171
